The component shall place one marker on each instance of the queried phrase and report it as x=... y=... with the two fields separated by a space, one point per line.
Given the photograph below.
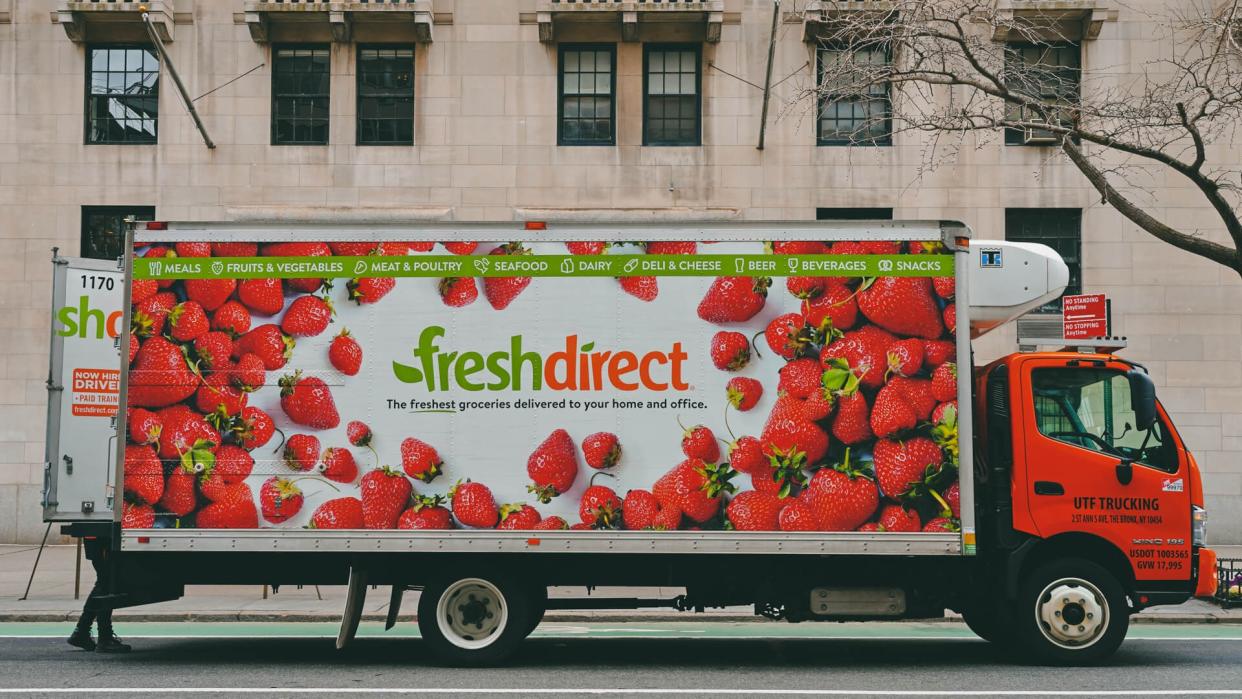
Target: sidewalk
x=51 y=599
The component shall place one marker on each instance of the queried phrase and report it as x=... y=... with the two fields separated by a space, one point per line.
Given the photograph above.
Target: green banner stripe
x=545 y=266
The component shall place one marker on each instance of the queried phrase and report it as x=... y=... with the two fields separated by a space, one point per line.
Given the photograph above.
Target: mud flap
x=355 y=597
x=394 y=606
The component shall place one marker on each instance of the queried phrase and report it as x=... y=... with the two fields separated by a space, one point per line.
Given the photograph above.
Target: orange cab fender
x=1035 y=552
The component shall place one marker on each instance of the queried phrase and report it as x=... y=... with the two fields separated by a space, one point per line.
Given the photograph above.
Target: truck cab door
x=1089 y=469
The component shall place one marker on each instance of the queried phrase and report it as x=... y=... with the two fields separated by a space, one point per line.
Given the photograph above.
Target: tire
x=1071 y=612
x=988 y=624
x=538 y=606
x=473 y=621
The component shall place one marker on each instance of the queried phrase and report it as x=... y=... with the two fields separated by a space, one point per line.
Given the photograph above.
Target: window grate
x=122 y=95
x=385 y=96
x=671 y=85
x=847 y=119
x=300 y=93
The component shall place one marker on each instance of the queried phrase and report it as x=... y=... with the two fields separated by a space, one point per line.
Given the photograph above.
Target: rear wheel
x=1072 y=612
x=473 y=621
x=988 y=623
x=538 y=606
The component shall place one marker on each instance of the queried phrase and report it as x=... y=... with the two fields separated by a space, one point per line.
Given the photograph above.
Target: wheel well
x=1079 y=545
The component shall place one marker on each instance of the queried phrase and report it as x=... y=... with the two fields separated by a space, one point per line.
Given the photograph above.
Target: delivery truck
x=779 y=415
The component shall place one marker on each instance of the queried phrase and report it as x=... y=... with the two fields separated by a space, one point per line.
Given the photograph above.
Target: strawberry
x=798 y=247
x=744 y=392
x=420 y=460
x=307 y=316
x=730 y=350
x=233 y=509
x=835 y=309
x=268 y=343
x=841 y=497
x=694 y=489
x=805 y=287
x=360 y=435
x=866 y=352
x=600 y=507
x=192 y=249
x=234 y=249
x=351 y=248
x=944 y=382
x=149 y=315
x=249 y=373
x=641 y=288
x=213 y=350
x=789 y=437
x=186 y=321
x=581 y=526
x=601 y=450
x=427 y=512
x=458 y=291
x=553 y=466
x=160 y=375
x=299 y=249
x=902 y=305
x=670 y=247
x=698 y=442
x=518 y=515
x=949 y=315
x=308 y=401
x=210 y=293
x=301 y=452
x=942 y=524
x=144 y=427
x=338 y=465
x=734 y=299
x=937 y=352
x=800 y=378
x=385 y=493
x=135 y=516
x=953 y=498
x=160 y=251
x=852 y=423
x=500 y=291
x=180 y=497
x=232 y=465
x=142 y=289
x=461 y=247
x=895 y=518
x=264 y=297
x=944 y=430
x=901 y=465
x=594 y=247
x=869 y=247
x=945 y=287
x=474 y=505
x=144 y=474
x=254 y=429
x=217 y=394
x=369 y=290
x=905 y=357
x=134 y=344
x=669 y=519
x=797 y=516
x=184 y=432
x=746 y=454
x=279 y=499
x=892 y=413
x=789 y=336
x=553 y=523
x=917 y=392
x=341 y=513
x=755 y=512
x=942 y=414
x=345 y=354
x=231 y=317
x=868 y=527
x=416 y=245
x=639 y=510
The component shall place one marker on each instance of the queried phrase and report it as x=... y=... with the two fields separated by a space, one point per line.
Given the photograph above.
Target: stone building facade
x=487 y=135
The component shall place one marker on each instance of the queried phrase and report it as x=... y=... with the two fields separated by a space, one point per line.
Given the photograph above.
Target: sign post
x=1084 y=316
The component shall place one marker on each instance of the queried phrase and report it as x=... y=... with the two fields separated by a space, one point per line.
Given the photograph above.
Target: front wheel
x=1072 y=612
x=473 y=621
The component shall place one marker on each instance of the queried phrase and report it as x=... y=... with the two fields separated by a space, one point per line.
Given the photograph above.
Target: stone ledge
x=630 y=13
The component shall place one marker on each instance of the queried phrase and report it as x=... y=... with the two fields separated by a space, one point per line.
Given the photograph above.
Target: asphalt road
x=676 y=659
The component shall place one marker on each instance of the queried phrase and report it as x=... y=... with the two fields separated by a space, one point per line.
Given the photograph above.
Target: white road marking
x=541 y=636
x=601 y=691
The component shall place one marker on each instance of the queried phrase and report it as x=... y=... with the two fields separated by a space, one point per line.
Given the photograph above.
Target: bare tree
x=964 y=70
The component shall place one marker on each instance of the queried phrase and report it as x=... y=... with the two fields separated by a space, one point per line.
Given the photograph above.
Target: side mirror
x=1142 y=399
x=1125 y=472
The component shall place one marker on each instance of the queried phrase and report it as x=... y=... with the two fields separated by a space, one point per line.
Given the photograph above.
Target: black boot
x=110 y=643
x=81 y=638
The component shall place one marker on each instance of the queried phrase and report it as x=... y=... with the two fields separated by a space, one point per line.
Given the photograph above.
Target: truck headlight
x=1198 y=526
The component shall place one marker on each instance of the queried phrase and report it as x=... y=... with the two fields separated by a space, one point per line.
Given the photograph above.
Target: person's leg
x=108 y=640
x=81 y=637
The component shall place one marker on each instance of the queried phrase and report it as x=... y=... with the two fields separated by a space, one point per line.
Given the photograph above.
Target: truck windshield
x=1090 y=408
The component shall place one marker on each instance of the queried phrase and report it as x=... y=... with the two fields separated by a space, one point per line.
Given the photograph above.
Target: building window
x=1059 y=229
x=300 y=77
x=864 y=214
x=847 y=118
x=385 y=96
x=671 y=84
x=103 y=229
x=1050 y=73
x=587 y=87
x=122 y=94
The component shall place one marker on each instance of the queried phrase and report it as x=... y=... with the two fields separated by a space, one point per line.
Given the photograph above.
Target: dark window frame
x=823 y=101
x=562 y=49
x=327 y=140
x=89 y=95
x=1038 y=220
x=358 y=96
x=698 y=93
x=854 y=213
x=141 y=213
x=1015 y=137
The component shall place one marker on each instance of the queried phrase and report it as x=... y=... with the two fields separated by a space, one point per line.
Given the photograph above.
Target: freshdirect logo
x=84 y=321
x=574 y=368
